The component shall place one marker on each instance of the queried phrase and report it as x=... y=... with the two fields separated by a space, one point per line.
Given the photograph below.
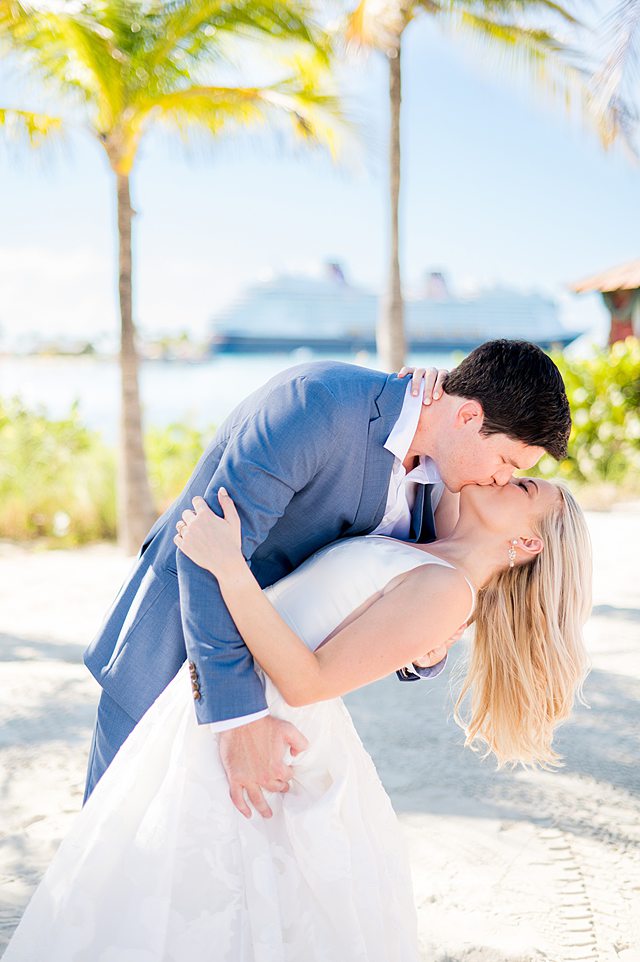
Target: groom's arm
x=271 y=456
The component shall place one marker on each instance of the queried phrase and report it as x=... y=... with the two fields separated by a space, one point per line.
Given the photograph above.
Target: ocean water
x=201 y=394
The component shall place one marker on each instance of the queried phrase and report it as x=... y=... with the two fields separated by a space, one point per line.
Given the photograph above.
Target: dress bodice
x=332 y=583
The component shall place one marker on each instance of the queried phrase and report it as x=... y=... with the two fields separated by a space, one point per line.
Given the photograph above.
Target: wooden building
x=620 y=289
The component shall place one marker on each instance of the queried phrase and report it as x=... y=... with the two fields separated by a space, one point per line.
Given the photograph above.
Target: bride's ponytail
x=528 y=661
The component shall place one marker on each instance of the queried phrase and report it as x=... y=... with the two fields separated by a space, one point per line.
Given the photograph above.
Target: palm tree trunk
x=390 y=334
x=135 y=506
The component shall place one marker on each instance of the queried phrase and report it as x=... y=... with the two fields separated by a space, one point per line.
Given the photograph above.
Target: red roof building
x=620 y=289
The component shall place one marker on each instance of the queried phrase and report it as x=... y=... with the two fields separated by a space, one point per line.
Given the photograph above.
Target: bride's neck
x=476 y=555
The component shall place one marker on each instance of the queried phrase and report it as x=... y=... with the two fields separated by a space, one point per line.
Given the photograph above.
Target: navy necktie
x=422 y=529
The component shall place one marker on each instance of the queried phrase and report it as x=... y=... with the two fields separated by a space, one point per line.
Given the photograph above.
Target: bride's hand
x=433 y=378
x=212 y=542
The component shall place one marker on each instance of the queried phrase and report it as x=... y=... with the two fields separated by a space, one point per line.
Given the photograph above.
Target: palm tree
x=380 y=25
x=614 y=88
x=127 y=66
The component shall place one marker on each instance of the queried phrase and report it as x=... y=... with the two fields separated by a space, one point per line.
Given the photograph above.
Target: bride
x=160 y=864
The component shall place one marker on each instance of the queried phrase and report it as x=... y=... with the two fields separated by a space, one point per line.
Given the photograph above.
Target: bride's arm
x=419 y=614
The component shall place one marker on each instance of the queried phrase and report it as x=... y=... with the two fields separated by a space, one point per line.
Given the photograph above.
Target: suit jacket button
x=196 y=695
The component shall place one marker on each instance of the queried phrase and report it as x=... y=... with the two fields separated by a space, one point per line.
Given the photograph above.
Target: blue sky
x=499 y=187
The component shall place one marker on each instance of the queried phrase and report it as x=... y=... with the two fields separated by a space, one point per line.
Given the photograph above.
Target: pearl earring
x=512 y=552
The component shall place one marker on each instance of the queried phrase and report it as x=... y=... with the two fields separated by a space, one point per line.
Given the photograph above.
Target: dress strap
x=473 y=597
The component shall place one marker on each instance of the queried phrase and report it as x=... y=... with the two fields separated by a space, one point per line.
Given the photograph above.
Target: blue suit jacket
x=304 y=460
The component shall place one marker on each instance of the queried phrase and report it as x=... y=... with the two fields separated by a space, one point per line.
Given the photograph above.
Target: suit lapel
x=378 y=460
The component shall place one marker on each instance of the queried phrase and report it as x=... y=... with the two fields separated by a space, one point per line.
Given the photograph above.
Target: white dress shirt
x=396 y=520
x=401 y=496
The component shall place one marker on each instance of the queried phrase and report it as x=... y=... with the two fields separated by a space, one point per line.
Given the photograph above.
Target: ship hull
x=252 y=344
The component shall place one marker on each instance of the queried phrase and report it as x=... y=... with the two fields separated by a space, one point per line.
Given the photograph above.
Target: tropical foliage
x=57 y=478
x=124 y=67
x=604 y=393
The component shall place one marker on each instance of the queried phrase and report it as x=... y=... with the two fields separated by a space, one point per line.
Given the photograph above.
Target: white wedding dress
x=160 y=867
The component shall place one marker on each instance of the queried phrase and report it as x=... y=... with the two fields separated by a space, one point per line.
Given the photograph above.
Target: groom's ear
x=470 y=411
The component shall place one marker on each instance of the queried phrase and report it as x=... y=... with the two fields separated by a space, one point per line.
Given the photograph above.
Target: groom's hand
x=253 y=758
x=437 y=654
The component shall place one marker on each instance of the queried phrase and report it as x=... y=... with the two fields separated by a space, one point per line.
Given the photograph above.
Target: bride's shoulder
x=436 y=583
x=430 y=602
x=441 y=574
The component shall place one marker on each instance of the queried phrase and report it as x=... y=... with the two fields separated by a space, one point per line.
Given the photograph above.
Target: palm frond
x=12 y=13
x=512 y=29
x=70 y=50
x=192 y=28
x=132 y=62
x=313 y=115
x=375 y=24
x=378 y=23
x=615 y=83
x=557 y=68
x=510 y=10
x=84 y=50
x=20 y=125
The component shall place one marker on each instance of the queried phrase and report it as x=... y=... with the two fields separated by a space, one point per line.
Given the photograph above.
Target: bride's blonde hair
x=528 y=661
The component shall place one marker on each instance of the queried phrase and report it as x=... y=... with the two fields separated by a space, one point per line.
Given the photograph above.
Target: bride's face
x=510 y=509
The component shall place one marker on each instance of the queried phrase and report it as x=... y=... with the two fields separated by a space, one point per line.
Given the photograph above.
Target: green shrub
x=604 y=394
x=172 y=454
x=57 y=478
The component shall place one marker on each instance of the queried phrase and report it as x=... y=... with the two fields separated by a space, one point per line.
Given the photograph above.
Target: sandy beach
x=508 y=866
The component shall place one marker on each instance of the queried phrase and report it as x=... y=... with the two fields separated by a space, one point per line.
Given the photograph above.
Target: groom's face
x=490 y=460
x=470 y=457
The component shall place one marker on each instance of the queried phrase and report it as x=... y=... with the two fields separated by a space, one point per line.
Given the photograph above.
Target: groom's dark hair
x=521 y=392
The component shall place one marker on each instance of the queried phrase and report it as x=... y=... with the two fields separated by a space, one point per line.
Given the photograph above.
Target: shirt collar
x=401 y=436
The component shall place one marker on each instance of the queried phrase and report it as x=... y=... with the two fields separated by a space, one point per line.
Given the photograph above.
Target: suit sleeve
x=416 y=672
x=273 y=454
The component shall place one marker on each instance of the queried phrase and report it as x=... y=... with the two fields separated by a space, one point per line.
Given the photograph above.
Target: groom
x=324 y=450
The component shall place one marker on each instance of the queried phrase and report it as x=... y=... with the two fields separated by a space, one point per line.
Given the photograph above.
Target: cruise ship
x=328 y=314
